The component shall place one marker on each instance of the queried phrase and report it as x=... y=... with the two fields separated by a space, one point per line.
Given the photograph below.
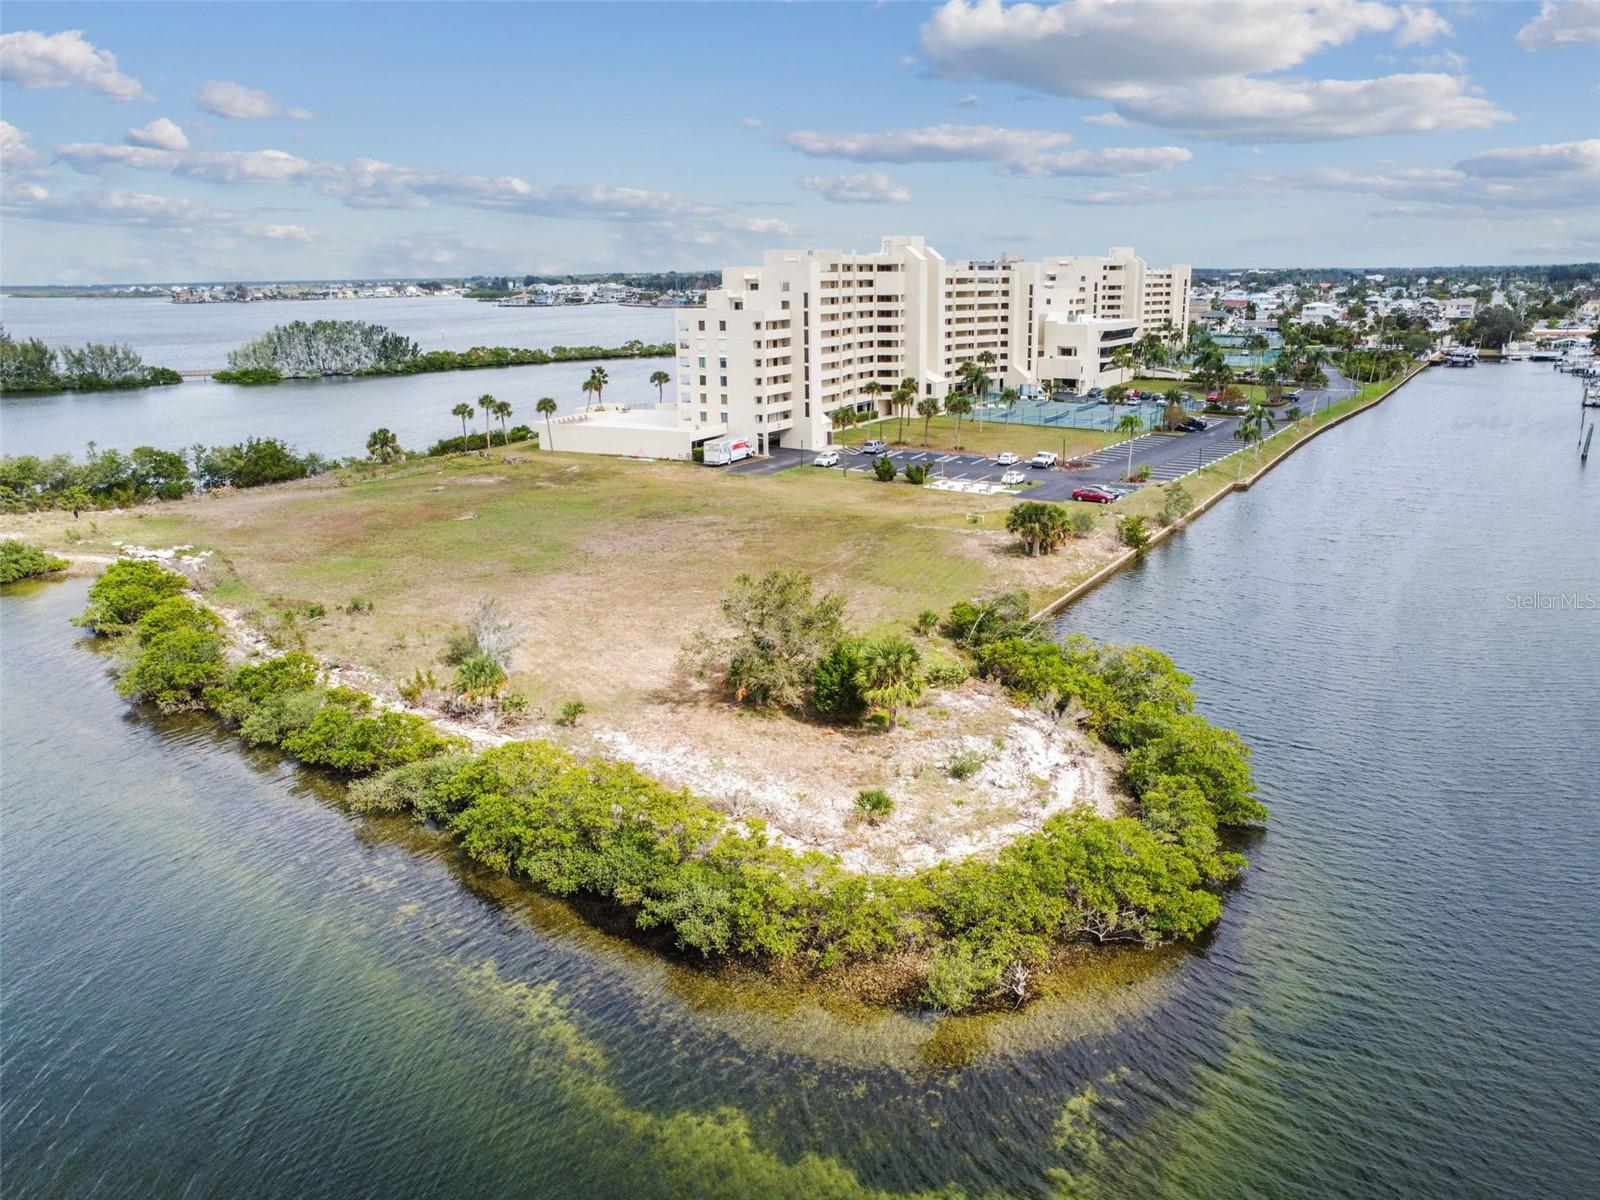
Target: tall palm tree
x=660 y=379
x=464 y=411
x=502 y=410
x=1009 y=398
x=487 y=403
x=1257 y=345
x=589 y=388
x=1129 y=427
x=958 y=405
x=1259 y=422
x=1122 y=359
x=547 y=409
x=899 y=402
x=927 y=409
x=600 y=379
x=872 y=389
x=987 y=361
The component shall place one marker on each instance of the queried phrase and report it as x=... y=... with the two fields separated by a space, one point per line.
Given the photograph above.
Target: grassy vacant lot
x=1252 y=391
x=611 y=565
x=992 y=439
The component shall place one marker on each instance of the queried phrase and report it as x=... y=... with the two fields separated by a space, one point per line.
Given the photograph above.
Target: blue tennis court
x=1074 y=413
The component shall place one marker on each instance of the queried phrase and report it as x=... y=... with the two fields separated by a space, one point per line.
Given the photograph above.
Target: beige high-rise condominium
x=780 y=347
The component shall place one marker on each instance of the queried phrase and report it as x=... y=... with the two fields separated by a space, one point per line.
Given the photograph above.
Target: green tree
x=18 y=560
x=958 y=405
x=547 y=409
x=884 y=469
x=660 y=379
x=1009 y=397
x=383 y=446
x=464 y=411
x=1129 y=427
x=890 y=675
x=927 y=409
x=599 y=378
x=1041 y=527
x=487 y=403
x=779 y=632
x=502 y=412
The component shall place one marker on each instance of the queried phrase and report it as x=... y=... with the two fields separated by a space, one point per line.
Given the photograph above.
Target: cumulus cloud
x=1106 y=118
x=237 y=102
x=935 y=143
x=56 y=60
x=15 y=153
x=1555 y=175
x=869 y=187
x=1139 y=193
x=1138 y=160
x=1562 y=23
x=424 y=254
x=160 y=134
x=751 y=122
x=970 y=100
x=1196 y=67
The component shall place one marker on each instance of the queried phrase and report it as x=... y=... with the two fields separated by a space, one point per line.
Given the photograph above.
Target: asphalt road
x=1169 y=456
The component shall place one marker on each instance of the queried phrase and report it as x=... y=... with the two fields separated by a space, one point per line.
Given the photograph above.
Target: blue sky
x=256 y=141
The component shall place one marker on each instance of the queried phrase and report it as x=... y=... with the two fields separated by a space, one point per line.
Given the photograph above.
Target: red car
x=1094 y=495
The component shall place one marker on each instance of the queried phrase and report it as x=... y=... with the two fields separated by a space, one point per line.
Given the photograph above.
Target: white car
x=1012 y=478
x=828 y=458
x=1007 y=459
x=1045 y=459
x=875 y=446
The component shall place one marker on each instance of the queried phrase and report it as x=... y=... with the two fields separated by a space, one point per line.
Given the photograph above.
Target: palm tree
x=660 y=379
x=927 y=409
x=899 y=401
x=487 y=403
x=1009 y=398
x=1256 y=424
x=987 y=361
x=872 y=389
x=1122 y=359
x=599 y=377
x=1257 y=345
x=589 y=388
x=1129 y=426
x=547 y=409
x=502 y=410
x=464 y=411
x=383 y=446
x=958 y=405
x=890 y=675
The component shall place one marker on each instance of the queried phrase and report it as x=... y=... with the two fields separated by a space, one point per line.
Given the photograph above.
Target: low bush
x=917 y=473
x=946 y=674
x=883 y=469
x=874 y=805
x=180 y=656
x=1131 y=532
x=125 y=591
x=835 y=687
x=570 y=712
x=965 y=764
x=18 y=560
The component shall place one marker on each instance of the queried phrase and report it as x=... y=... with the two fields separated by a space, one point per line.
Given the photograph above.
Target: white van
x=726 y=450
x=1045 y=459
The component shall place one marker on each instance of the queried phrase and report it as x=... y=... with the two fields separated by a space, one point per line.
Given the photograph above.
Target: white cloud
x=1269 y=110
x=370 y=183
x=1195 y=67
x=970 y=100
x=15 y=153
x=280 y=233
x=751 y=122
x=1138 y=160
x=1106 y=118
x=869 y=187
x=160 y=134
x=1443 y=60
x=935 y=143
x=1562 y=23
x=137 y=209
x=226 y=99
x=1556 y=175
x=1077 y=49
x=1420 y=25
x=216 y=166
x=1139 y=193
x=55 y=60
x=424 y=254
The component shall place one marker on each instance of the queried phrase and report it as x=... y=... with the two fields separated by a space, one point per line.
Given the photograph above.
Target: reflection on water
x=217 y=982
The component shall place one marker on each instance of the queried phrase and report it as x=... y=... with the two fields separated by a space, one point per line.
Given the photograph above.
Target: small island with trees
x=324 y=349
x=29 y=365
